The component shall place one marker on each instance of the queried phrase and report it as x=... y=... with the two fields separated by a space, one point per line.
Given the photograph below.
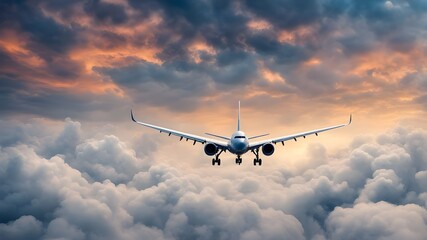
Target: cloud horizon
x=74 y=187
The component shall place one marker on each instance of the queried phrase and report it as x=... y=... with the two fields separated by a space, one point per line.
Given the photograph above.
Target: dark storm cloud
x=283 y=53
x=106 y=13
x=47 y=42
x=363 y=26
x=147 y=81
x=287 y=14
x=381 y=182
x=57 y=33
x=395 y=23
x=46 y=37
x=66 y=9
x=180 y=82
x=216 y=22
x=358 y=43
x=20 y=95
x=110 y=40
x=219 y=24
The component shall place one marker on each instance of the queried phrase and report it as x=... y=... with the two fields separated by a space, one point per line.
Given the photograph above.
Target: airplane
x=238 y=143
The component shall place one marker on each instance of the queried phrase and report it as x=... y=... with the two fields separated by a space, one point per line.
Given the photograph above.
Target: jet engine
x=267 y=149
x=211 y=149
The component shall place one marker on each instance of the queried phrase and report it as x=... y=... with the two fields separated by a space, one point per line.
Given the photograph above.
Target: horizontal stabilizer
x=262 y=135
x=218 y=136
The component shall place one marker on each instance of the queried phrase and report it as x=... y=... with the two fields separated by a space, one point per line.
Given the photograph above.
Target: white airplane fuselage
x=238 y=143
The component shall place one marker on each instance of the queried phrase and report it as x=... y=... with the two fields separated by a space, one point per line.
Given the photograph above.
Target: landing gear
x=238 y=160
x=257 y=160
x=216 y=159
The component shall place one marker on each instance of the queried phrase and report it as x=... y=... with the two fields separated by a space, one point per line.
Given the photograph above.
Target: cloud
x=83 y=56
x=60 y=228
x=25 y=96
x=65 y=143
x=106 y=13
x=23 y=228
x=182 y=83
x=87 y=188
x=108 y=158
x=380 y=220
x=285 y=13
x=385 y=186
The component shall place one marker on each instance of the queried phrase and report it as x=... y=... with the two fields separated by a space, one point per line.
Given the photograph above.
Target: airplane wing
x=283 y=139
x=182 y=135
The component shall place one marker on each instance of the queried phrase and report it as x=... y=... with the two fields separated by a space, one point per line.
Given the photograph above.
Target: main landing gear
x=216 y=159
x=257 y=160
x=238 y=160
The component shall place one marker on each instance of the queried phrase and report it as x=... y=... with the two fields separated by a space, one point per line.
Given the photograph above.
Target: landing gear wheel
x=238 y=161
x=256 y=159
x=216 y=159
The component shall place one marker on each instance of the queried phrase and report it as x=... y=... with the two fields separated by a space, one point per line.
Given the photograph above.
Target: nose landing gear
x=216 y=159
x=257 y=160
x=238 y=160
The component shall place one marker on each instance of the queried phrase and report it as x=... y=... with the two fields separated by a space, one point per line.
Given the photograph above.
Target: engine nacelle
x=211 y=149
x=267 y=149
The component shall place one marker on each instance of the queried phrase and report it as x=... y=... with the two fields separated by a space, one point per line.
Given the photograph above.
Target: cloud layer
x=69 y=186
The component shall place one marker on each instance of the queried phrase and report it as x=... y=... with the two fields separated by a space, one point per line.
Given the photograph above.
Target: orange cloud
x=259 y=24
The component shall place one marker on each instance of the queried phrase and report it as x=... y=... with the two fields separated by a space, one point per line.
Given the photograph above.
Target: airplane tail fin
x=238 y=119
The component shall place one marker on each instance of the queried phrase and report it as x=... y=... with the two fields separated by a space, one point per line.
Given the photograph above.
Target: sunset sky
x=73 y=165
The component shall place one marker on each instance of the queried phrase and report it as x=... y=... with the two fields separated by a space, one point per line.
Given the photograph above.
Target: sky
x=73 y=165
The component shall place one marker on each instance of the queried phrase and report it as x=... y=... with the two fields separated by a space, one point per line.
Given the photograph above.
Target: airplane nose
x=240 y=145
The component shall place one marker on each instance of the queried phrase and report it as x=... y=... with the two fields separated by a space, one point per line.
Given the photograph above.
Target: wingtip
x=131 y=116
x=349 y=122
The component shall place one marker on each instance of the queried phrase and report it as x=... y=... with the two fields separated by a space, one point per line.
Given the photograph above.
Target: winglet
x=131 y=116
x=349 y=122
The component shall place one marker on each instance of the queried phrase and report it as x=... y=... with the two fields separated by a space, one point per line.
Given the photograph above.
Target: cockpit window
x=239 y=137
